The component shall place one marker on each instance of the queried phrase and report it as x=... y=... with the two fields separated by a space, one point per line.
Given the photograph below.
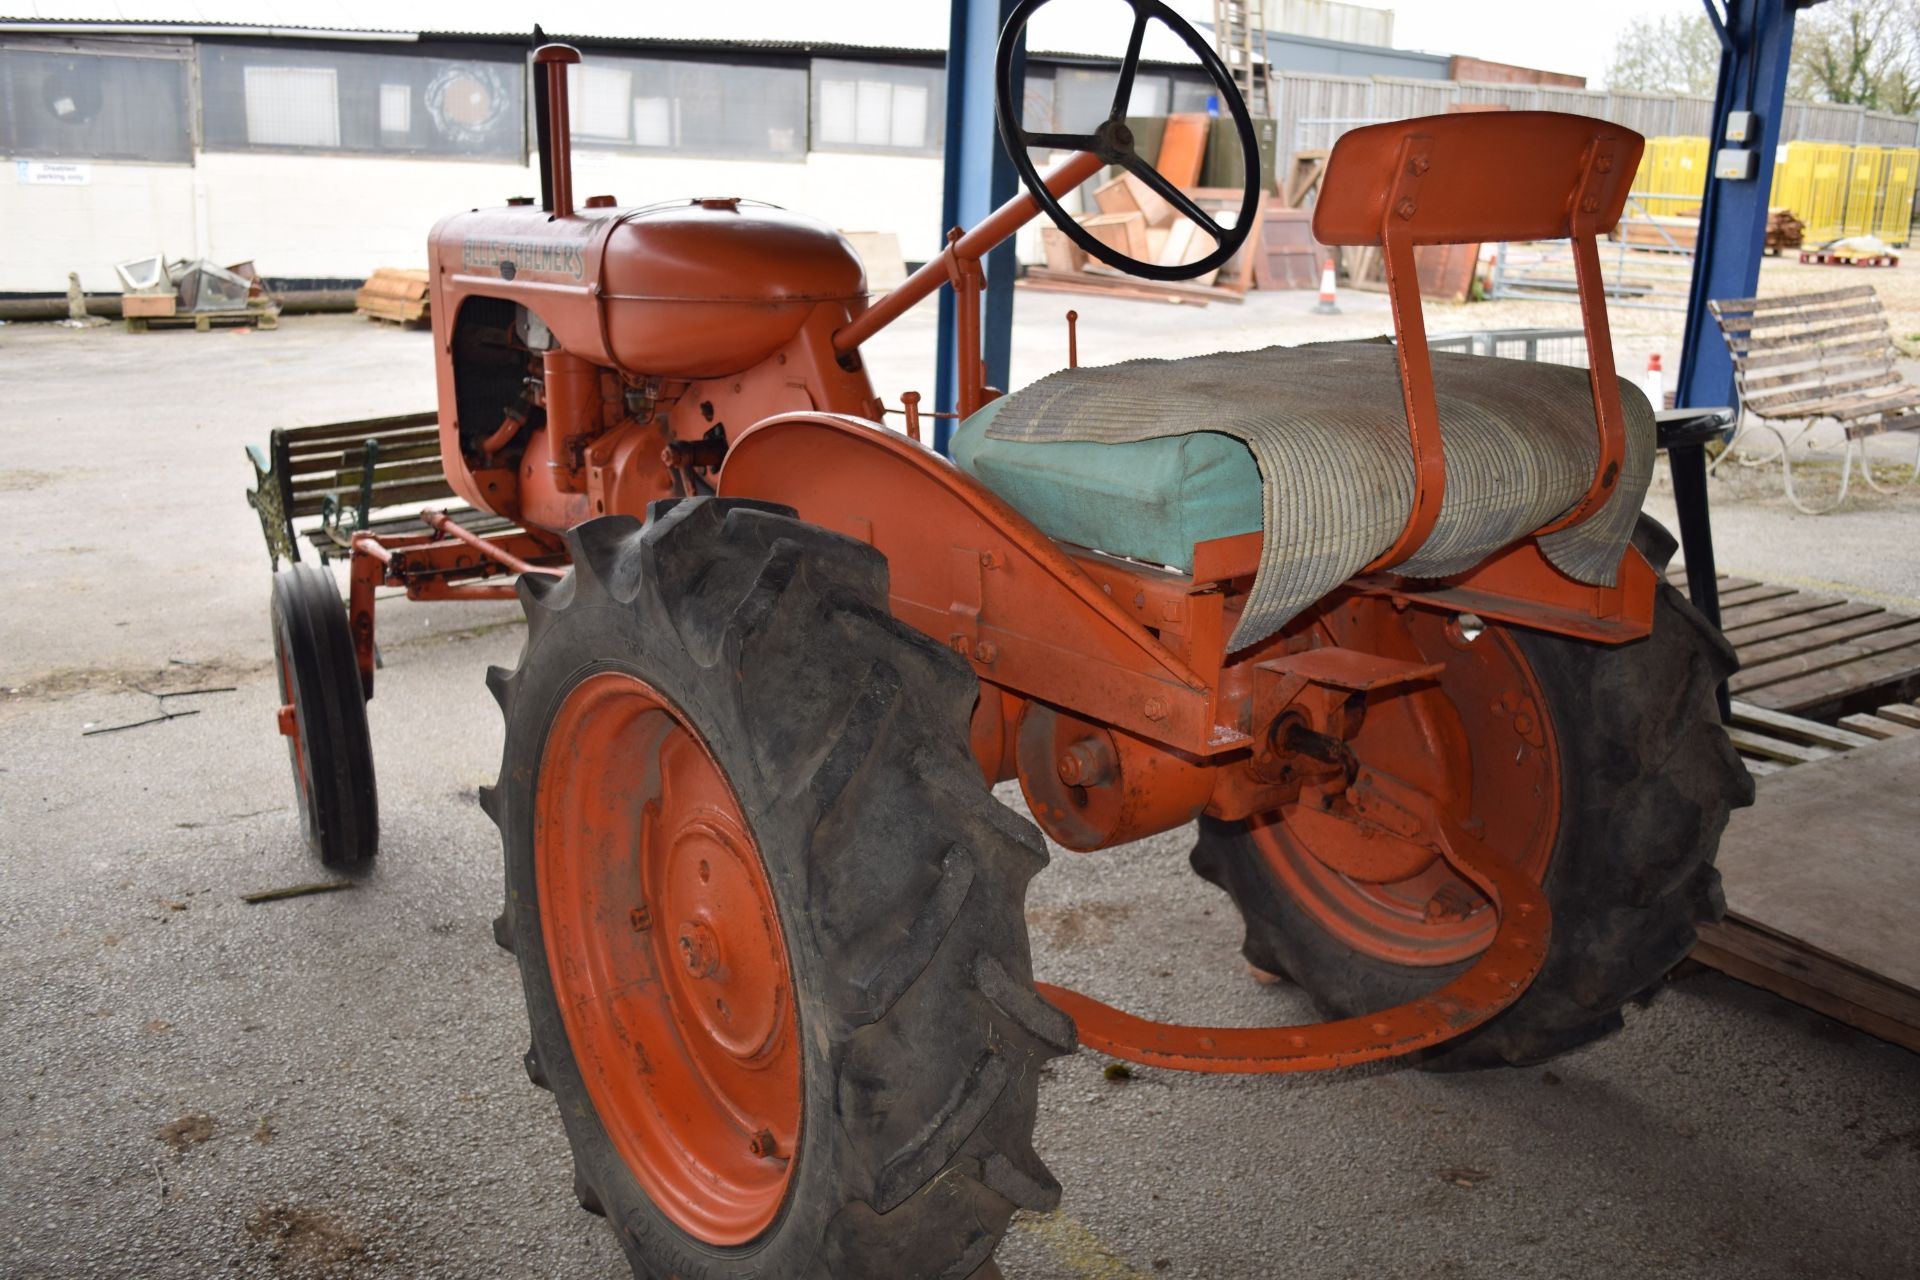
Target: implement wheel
x=1603 y=770
x=770 y=921
x=323 y=715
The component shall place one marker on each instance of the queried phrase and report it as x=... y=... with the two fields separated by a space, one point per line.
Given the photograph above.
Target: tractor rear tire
x=834 y=739
x=330 y=749
x=1647 y=779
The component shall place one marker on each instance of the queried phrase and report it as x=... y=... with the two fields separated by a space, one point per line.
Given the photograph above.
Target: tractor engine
x=588 y=365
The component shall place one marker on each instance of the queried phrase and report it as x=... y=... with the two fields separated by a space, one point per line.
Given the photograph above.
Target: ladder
x=1240 y=33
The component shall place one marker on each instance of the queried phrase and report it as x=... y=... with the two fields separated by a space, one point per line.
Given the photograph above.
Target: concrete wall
x=339 y=217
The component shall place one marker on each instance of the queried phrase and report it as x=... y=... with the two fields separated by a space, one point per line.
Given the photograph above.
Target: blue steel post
x=978 y=178
x=1755 y=36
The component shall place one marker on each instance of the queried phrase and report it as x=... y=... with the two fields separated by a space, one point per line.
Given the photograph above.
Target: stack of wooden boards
x=1820 y=873
x=1679 y=232
x=396 y=295
x=1784 y=231
x=1133 y=219
x=1821 y=878
x=1814 y=654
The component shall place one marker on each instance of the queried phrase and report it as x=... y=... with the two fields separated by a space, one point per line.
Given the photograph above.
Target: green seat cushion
x=1151 y=500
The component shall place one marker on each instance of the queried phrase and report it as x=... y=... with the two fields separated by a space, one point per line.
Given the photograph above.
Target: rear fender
x=978 y=577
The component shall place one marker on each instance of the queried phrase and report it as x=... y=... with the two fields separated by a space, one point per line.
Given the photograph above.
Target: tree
x=1673 y=53
x=1862 y=52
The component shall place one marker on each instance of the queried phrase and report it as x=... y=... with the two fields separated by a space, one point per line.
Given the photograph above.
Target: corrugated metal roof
x=1081 y=27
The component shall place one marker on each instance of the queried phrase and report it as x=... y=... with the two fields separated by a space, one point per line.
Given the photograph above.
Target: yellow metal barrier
x=1895 y=221
x=1835 y=189
x=1863 y=191
x=1825 y=214
x=1675 y=169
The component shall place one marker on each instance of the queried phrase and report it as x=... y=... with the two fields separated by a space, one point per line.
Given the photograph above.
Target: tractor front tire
x=769 y=918
x=1647 y=779
x=330 y=748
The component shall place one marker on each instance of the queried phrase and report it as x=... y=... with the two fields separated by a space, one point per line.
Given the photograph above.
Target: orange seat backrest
x=1466 y=179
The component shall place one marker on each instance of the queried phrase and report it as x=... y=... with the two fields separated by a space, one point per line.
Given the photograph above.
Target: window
x=877 y=106
x=396 y=108
x=61 y=105
x=280 y=98
x=293 y=107
x=700 y=108
x=601 y=100
x=1082 y=97
x=1194 y=93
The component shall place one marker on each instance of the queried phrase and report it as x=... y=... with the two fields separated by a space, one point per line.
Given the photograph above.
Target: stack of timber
x=1816 y=655
x=1784 y=231
x=395 y=295
x=1445 y=271
x=1820 y=872
x=1678 y=232
x=1131 y=218
x=1134 y=220
x=1820 y=879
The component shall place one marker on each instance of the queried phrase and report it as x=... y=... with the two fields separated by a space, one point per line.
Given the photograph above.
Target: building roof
x=1060 y=28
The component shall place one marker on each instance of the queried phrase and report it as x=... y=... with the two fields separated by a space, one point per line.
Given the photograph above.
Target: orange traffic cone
x=1329 y=304
x=1654 y=383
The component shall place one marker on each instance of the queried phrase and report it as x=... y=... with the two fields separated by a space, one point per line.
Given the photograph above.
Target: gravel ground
x=331 y=1085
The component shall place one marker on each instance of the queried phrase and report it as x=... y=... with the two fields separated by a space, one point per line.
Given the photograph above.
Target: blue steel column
x=978 y=178
x=1756 y=37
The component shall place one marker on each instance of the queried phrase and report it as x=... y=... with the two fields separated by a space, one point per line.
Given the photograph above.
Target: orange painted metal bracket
x=1457 y=180
x=1521 y=586
x=1495 y=980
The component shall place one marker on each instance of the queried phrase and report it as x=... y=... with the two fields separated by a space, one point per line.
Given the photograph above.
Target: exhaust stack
x=556 y=143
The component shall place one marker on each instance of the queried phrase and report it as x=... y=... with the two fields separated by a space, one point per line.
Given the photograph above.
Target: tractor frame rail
x=448 y=562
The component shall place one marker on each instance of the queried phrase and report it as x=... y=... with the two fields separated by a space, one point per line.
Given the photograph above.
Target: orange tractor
x=1382 y=621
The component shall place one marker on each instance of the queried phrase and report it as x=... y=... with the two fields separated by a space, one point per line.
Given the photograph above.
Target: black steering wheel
x=1112 y=141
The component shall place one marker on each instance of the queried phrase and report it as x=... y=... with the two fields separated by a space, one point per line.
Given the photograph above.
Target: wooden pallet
x=1821 y=878
x=1769 y=741
x=1826 y=258
x=204 y=321
x=1813 y=654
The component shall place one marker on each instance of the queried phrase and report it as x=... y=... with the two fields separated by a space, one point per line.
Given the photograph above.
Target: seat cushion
x=1150 y=499
x=1325 y=425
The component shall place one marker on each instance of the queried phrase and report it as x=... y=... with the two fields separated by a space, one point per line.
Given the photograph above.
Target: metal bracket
x=1494 y=981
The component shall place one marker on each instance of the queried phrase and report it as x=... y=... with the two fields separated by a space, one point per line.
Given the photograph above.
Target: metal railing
x=1648 y=266
x=1548 y=346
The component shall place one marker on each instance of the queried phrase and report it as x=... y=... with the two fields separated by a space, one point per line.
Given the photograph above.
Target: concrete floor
x=332 y=1086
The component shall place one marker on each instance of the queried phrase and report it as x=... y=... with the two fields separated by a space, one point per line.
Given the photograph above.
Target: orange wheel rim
x=667 y=958
x=1481 y=742
x=287 y=699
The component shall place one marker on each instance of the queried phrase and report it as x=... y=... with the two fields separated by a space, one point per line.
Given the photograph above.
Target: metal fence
x=1548 y=346
x=1648 y=268
x=1313 y=110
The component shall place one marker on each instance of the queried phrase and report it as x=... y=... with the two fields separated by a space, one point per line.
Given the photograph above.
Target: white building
x=322 y=152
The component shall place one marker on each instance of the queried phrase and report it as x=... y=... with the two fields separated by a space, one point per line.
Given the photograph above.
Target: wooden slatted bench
x=1814 y=357
x=322 y=484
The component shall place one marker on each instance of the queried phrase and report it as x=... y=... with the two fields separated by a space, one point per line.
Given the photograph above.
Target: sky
x=1552 y=35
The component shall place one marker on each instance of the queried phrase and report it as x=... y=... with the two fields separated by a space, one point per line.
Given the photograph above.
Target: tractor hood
x=682 y=289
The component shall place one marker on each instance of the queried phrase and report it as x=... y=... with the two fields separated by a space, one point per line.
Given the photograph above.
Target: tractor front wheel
x=769 y=920
x=323 y=714
x=1603 y=770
